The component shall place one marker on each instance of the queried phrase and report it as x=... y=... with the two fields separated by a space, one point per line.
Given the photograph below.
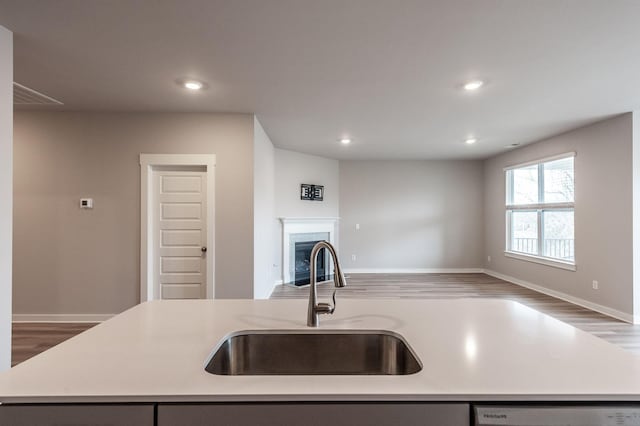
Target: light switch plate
x=86 y=203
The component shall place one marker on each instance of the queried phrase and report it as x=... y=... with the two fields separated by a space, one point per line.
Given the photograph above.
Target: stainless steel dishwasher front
x=576 y=414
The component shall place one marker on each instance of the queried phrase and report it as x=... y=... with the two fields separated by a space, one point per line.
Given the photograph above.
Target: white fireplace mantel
x=309 y=219
x=301 y=225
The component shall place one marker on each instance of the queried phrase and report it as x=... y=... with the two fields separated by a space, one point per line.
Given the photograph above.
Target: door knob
x=204 y=249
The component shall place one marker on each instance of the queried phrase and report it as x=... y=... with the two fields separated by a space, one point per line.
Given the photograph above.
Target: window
x=540 y=207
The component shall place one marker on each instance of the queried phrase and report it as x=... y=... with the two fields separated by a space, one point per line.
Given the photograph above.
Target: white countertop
x=471 y=350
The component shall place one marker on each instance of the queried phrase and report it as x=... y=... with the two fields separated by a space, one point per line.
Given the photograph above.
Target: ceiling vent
x=23 y=95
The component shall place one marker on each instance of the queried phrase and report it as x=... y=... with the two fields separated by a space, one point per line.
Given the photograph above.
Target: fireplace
x=300 y=246
x=299 y=235
x=302 y=265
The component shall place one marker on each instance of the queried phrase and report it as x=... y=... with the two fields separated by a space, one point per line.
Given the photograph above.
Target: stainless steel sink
x=313 y=352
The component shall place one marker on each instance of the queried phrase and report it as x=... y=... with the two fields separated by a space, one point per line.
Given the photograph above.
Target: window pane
x=558 y=181
x=524 y=231
x=558 y=234
x=525 y=185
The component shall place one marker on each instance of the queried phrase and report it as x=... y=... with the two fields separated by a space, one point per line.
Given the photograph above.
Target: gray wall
x=264 y=231
x=412 y=215
x=6 y=190
x=603 y=214
x=72 y=261
x=292 y=169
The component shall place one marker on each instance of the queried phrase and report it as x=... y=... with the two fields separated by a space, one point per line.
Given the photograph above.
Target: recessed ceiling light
x=473 y=85
x=470 y=141
x=345 y=141
x=191 y=84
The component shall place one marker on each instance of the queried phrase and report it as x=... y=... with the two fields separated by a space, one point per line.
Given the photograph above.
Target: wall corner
x=263 y=212
x=635 y=158
x=6 y=194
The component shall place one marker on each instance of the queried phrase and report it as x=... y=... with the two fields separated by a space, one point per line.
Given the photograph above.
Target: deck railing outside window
x=558 y=248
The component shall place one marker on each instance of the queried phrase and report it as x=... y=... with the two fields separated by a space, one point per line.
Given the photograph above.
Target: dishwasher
x=557 y=415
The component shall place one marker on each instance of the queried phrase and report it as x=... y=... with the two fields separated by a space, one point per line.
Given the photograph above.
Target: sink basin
x=313 y=352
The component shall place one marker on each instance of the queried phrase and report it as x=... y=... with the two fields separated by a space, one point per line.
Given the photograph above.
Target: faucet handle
x=325 y=308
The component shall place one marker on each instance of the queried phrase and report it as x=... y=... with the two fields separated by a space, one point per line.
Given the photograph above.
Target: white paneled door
x=180 y=233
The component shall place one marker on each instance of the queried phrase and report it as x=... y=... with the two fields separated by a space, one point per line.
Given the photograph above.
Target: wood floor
x=29 y=339
x=447 y=286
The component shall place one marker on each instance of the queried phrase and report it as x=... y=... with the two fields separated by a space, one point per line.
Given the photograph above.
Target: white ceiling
x=385 y=72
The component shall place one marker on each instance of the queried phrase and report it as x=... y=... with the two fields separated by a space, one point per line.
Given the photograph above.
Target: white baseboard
x=61 y=317
x=278 y=282
x=413 y=271
x=623 y=316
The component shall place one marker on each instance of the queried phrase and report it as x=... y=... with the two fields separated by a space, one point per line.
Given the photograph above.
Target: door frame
x=147 y=164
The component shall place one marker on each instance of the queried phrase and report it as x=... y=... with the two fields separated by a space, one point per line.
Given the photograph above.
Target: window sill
x=541 y=260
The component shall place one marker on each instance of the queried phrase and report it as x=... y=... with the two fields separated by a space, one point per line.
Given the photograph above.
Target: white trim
x=147 y=162
x=37 y=94
x=623 y=316
x=177 y=159
x=308 y=219
x=635 y=212
x=7 y=192
x=62 y=317
x=413 y=271
x=304 y=222
x=541 y=260
x=275 y=283
x=540 y=160
x=541 y=206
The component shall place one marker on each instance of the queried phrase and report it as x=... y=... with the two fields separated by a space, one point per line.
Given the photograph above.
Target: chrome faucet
x=316 y=308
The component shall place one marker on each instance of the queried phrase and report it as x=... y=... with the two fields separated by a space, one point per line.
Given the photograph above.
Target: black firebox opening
x=303 y=267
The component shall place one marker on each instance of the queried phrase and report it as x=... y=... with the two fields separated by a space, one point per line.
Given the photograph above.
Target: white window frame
x=539 y=208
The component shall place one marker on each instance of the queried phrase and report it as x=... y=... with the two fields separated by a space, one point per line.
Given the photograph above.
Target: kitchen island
x=152 y=357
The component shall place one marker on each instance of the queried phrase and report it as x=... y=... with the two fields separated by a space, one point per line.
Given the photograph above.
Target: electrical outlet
x=353 y=257
x=86 y=203
x=488 y=258
x=357 y=226
x=595 y=284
